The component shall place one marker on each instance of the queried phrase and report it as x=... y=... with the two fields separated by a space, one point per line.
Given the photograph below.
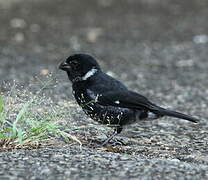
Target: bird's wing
x=126 y=99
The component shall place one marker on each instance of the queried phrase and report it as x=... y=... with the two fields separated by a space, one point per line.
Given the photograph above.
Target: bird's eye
x=74 y=64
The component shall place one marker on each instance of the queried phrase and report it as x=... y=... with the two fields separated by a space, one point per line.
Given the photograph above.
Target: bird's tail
x=165 y=112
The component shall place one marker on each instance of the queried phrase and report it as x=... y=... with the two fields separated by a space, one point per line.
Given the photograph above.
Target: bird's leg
x=117 y=131
x=109 y=138
x=103 y=143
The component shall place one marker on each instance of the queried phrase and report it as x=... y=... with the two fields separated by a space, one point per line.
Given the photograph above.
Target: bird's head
x=80 y=67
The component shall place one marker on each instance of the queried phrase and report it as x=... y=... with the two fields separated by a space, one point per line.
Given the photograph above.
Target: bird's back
x=102 y=83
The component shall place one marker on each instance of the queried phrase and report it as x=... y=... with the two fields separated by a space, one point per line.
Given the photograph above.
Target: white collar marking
x=89 y=74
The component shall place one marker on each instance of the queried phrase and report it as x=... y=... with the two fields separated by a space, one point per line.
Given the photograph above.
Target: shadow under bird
x=106 y=99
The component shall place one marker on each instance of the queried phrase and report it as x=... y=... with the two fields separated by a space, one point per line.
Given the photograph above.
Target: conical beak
x=65 y=66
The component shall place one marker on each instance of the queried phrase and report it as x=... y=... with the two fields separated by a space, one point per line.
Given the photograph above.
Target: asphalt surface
x=158 y=48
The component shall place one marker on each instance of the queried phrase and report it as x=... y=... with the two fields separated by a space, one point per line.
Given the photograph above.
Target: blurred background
x=158 y=48
x=153 y=45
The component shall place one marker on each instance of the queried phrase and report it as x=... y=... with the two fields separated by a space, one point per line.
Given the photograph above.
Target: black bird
x=106 y=99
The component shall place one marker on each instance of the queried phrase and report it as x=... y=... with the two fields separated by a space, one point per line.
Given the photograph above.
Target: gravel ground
x=158 y=48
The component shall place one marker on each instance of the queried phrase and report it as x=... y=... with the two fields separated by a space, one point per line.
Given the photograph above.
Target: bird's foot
x=112 y=143
x=117 y=143
x=101 y=143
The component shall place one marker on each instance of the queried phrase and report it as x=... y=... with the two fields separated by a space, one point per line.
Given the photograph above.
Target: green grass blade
x=19 y=117
x=1 y=104
x=20 y=135
x=22 y=111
